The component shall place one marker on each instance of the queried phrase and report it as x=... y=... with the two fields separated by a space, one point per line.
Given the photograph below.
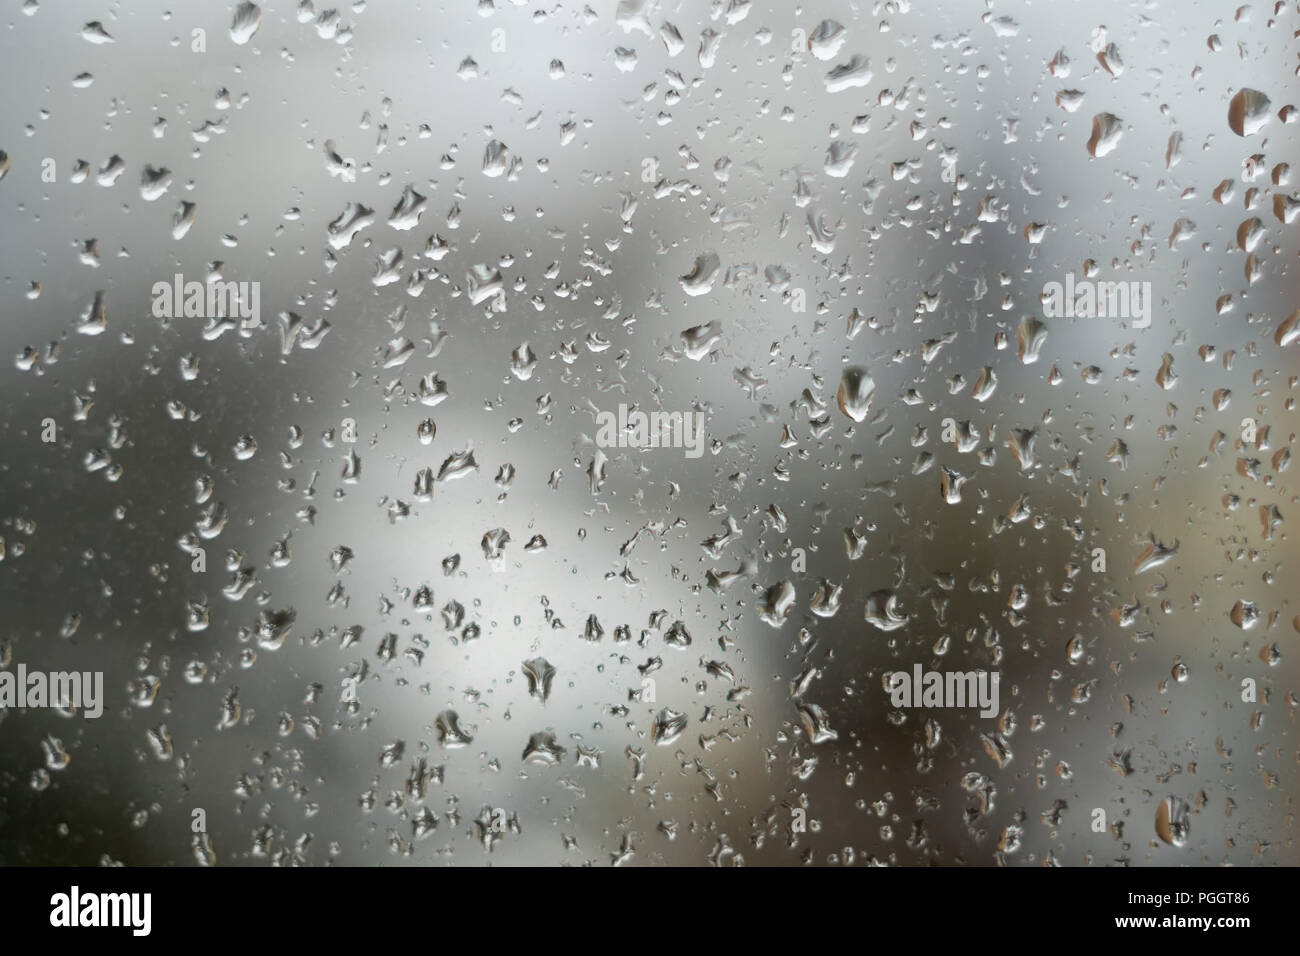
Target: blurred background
x=826 y=226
